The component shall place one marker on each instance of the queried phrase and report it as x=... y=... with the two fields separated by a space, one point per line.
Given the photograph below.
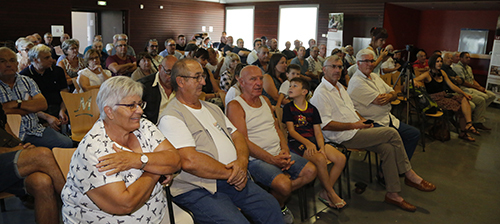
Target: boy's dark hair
x=305 y=83
x=292 y=66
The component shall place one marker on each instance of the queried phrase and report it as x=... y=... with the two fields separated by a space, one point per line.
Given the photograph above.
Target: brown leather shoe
x=423 y=186
x=403 y=204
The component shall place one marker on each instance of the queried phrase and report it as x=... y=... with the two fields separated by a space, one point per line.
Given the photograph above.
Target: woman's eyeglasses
x=133 y=106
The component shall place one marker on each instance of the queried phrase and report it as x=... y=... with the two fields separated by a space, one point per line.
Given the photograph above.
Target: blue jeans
x=50 y=139
x=409 y=134
x=265 y=173
x=222 y=207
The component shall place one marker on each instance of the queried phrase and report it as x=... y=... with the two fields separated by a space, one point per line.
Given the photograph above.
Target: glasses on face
x=25 y=50
x=121 y=45
x=168 y=72
x=93 y=58
x=197 y=78
x=153 y=46
x=371 y=61
x=133 y=106
x=335 y=66
x=171 y=45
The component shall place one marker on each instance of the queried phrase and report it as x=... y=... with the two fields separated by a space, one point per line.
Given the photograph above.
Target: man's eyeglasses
x=25 y=50
x=371 y=61
x=197 y=78
x=168 y=72
x=133 y=106
x=121 y=45
x=335 y=66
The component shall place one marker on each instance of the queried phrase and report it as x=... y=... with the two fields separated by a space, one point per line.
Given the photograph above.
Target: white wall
x=83 y=28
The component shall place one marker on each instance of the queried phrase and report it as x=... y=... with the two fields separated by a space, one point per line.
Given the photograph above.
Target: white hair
x=22 y=42
x=114 y=89
x=364 y=52
x=333 y=58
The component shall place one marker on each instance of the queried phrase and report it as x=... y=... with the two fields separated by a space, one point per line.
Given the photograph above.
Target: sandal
x=465 y=136
x=471 y=128
x=339 y=205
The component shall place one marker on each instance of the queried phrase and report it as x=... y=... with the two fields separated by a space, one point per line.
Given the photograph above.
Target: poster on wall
x=493 y=80
x=335 y=31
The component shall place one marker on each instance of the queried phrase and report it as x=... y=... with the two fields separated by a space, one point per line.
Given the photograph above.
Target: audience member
x=115 y=172
x=292 y=71
x=297 y=44
x=130 y=49
x=38 y=38
x=349 y=57
x=23 y=46
x=263 y=58
x=94 y=74
x=152 y=49
x=434 y=81
x=306 y=139
x=47 y=38
x=214 y=183
x=158 y=91
x=264 y=41
x=241 y=50
x=392 y=64
x=421 y=65
x=97 y=38
x=273 y=46
x=378 y=37
x=342 y=124
x=315 y=66
x=145 y=66
x=372 y=99
x=271 y=162
x=229 y=45
x=102 y=53
x=229 y=66
x=121 y=63
x=211 y=88
x=472 y=87
x=181 y=43
x=111 y=46
x=51 y=81
x=71 y=63
x=223 y=41
x=170 y=49
x=312 y=42
x=190 y=50
x=20 y=95
x=26 y=169
x=274 y=78
x=58 y=49
x=289 y=54
x=235 y=89
x=322 y=53
x=33 y=39
x=252 y=57
x=301 y=61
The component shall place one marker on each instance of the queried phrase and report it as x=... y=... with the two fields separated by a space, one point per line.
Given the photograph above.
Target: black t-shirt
x=227 y=48
x=50 y=83
x=243 y=58
x=179 y=47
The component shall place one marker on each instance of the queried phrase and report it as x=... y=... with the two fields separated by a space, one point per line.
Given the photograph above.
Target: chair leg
x=370 y=164
x=348 y=175
x=2 y=205
x=169 y=205
x=302 y=203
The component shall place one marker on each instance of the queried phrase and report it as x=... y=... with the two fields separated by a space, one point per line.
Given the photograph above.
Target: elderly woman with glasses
x=93 y=75
x=115 y=171
x=71 y=64
x=23 y=46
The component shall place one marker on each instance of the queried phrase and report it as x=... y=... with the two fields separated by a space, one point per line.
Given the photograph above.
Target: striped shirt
x=24 y=88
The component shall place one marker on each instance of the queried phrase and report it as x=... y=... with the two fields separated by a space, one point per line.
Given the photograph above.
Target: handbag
x=7 y=140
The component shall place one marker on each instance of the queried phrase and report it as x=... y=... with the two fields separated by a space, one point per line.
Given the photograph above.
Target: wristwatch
x=19 y=104
x=144 y=160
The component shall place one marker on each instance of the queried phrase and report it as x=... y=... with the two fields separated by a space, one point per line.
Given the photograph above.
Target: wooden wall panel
x=22 y=18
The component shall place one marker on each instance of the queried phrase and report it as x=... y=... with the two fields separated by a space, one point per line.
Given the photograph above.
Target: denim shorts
x=265 y=173
x=12 y=182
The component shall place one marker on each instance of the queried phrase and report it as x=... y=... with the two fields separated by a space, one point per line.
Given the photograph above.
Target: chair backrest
x=77 y=86
x=82 y=110
x=398 y=86
x=63 y=158
x=14 y=121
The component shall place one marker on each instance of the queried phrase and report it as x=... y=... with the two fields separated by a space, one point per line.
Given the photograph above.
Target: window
x=298 y=22
x=239 y=24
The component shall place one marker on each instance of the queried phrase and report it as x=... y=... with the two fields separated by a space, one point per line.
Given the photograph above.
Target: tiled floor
x=467 y=176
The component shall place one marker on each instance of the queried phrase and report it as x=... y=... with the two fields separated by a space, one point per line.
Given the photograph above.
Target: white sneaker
x=287 y=215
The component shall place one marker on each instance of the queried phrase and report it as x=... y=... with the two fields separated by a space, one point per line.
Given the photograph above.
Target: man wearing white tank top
x=270 y=160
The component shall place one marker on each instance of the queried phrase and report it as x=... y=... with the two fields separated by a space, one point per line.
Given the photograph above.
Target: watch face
x=144 y=159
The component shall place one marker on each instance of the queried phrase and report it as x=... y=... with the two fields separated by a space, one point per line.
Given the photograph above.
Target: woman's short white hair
x=22 y=43
x=35 y=51
x=227 y=61
x=364 y=52
x=114 y=89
